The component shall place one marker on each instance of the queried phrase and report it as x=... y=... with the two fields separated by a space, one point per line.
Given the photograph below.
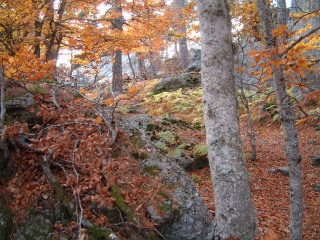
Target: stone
x=193 y=67
x=283 y=170
x=185 y=214
x=21 y=102
x=316 y=160
x=176 y=82
x=6 y=222
x=39 y=226
x=316 y=187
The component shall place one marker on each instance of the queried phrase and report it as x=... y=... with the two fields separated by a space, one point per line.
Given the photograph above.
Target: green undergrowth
x=184 y=104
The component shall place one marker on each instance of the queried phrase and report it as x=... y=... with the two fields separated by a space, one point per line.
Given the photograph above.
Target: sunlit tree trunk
x=287 y=120
x=235 y=215
x=117 y=79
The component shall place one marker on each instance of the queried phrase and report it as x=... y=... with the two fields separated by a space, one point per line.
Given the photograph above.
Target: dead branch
x=55 y=92
x=64 y=198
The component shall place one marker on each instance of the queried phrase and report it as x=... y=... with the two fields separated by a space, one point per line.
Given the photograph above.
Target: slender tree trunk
x=117 y=79
x=289 y=129
x=152 y=64
x=235 y=215
x=4 y=155
x=251 y=131
x=131 y=66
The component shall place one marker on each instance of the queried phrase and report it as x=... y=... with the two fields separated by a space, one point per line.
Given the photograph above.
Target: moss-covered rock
x=6 y=222
x=39 y=226
x=121 y=204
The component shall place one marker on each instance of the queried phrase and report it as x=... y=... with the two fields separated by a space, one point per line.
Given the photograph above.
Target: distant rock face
x=180 y=81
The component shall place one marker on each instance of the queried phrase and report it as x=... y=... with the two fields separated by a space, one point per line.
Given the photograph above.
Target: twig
x=55 y=92
x=138 y=227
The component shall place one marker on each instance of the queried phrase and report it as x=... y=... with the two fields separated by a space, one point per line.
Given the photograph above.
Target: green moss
x=152 y=170
x=120 y=203
x=177 y=152
x=197 y=179
x=150 y=127
x=37 y=89
x=162 y=146
x=22 y=116
x=136 y=140
x=6 y=222
x=167 y=137
x=135 y=154
x=200 y=150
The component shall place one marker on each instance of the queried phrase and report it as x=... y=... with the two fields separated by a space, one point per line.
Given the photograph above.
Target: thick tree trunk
x=184 y=52
x=183 y=45
x=235 y=215
x=142 y=67
x=289 y=129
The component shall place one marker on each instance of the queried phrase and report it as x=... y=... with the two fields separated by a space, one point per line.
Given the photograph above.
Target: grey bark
x=183 y=45
x=142 y=67
x=289 y=129
x=131 y=66
x=4 y=151
x=117 y=79
x=235 y=214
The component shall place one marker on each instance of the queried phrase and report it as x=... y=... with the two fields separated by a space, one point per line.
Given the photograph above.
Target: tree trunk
x=4 y=154
x=289 y=129
x=235 y=215
x=117 y=79
x=131 y=66
x=142 y=67
x=183 y=45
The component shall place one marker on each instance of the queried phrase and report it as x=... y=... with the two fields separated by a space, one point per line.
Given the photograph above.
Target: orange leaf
x=72 y=42
x=98 y=120
x=240 y=69
x=109 y=101
x=82 y=90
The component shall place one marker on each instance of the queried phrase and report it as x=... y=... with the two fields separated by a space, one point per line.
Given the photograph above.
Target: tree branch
x=299 y=40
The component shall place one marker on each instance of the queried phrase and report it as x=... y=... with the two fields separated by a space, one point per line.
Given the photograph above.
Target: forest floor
x=270 y=190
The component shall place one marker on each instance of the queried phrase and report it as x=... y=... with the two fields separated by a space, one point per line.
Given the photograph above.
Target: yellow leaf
x=82 y=90
x=11 y=60
x=98 y=120
x=109 y=101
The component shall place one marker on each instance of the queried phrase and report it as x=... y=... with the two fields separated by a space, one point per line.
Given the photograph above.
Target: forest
x=158 y=119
